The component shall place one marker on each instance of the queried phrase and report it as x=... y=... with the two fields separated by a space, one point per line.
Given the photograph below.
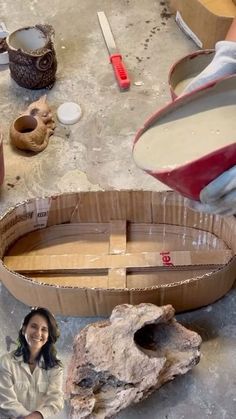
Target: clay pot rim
x=47 y=39
x=26 y=116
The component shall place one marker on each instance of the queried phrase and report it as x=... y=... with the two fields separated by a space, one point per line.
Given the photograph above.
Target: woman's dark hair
x=48 y=351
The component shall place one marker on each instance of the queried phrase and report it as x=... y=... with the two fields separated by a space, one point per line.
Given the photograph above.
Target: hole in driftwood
x=156 y=337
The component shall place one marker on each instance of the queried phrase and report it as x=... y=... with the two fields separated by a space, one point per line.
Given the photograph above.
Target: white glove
x=222 y=64
x=219 y=196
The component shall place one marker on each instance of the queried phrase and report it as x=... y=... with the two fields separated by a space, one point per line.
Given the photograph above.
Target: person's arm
x=9 y=404
x=231 y=34
x=53 y=401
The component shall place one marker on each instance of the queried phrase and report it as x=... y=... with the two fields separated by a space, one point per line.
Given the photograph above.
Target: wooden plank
x=76 y=262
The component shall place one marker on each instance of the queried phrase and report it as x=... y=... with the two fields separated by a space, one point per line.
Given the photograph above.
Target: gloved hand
x=219 y=196
x=223 y=64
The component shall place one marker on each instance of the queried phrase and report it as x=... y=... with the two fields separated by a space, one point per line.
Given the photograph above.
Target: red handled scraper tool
x=115 y=58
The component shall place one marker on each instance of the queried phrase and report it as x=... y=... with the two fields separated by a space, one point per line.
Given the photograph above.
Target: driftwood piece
x=122 y=360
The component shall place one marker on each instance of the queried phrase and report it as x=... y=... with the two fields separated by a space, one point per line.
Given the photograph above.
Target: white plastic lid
x=69 y=113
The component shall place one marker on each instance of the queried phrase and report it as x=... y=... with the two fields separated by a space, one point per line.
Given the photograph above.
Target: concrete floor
x=96 y=154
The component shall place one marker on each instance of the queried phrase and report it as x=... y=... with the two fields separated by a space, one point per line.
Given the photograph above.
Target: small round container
x=69 y=113
x=186 y=69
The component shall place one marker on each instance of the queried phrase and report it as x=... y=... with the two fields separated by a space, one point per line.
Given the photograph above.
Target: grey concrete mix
x=95 y=154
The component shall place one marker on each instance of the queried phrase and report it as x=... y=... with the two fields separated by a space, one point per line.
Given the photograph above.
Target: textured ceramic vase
x=32 y=57
x=32 y=129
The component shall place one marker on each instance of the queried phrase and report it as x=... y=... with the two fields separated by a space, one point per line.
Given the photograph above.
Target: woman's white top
x=23 y=392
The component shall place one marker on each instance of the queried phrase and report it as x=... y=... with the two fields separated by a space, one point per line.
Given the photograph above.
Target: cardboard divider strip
x=118 y=239
x=117 y=245
x=53 y=263
x=117 y=278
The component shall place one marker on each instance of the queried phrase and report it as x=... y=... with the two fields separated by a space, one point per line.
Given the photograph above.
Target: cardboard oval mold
x=208 y=113
x=186 y=69
x=83 y=253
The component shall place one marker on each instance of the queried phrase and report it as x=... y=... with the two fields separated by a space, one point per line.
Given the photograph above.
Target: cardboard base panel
x=84 y=253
